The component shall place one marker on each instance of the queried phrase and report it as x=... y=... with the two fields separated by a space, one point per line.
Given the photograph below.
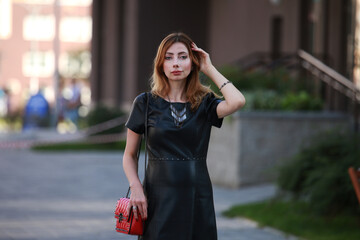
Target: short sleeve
x=211 y=105
x=136 y=120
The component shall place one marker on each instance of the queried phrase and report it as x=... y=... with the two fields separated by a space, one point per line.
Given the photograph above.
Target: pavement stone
x=72 y=196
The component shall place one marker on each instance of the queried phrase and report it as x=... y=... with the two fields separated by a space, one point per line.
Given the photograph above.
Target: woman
x=178 y=203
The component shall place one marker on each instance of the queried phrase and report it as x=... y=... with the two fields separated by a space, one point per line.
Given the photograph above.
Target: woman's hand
x=138 y=202
x=205 y=62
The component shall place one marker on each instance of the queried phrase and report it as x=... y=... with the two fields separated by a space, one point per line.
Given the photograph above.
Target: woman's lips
x=176 y=72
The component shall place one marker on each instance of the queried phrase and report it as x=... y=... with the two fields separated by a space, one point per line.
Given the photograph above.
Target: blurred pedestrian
x=72 y=102
x=37 y=112
x=4 y=102
x=60 y=102
x=177 y=202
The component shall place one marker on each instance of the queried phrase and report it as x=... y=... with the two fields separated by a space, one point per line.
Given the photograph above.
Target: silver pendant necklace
x=178 y=115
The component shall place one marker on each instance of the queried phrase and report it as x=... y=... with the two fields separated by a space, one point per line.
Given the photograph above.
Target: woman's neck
x=177 y=92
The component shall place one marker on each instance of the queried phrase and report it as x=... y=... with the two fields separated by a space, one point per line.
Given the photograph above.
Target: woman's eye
x=183 y=57
x=167 y=58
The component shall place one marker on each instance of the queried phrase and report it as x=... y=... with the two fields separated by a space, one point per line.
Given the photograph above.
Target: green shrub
x=266 y=100
x=272 y=100
x=279 y=80
x=300 y=101
x=271 y=90
x=102 y=113
x=319 y=173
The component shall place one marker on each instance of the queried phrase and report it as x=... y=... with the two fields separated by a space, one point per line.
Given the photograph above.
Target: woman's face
x=177 y=62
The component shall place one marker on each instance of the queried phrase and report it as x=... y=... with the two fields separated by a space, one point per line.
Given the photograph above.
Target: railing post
x=328 y=97
x=356 y=115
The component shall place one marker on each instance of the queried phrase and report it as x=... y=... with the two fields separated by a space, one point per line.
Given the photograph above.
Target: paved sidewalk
x=24 y=140
x=71 y=196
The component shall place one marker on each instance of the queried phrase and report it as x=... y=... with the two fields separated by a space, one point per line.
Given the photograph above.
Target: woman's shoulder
x=145 y=97
x=141 y=98
x=210 y=99
x=210 y=95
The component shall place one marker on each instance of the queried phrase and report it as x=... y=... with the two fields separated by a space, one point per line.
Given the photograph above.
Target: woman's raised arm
x=234 y=99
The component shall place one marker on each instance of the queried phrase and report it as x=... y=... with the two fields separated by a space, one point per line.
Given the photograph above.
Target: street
x=72 y=196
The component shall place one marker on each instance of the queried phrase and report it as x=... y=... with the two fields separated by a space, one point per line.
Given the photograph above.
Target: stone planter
x=251 y=145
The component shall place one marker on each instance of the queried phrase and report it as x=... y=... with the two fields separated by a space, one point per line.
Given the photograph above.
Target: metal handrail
x=334 y=80
x=265 y=60
x=338 y=85
x=350 y=88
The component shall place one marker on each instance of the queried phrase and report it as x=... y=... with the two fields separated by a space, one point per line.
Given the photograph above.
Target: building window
x=5 y=19
x=83 y=3
x=356 y=71
x=75 y=29
x=38 y=64
x=75 y=64
x=39 y=27
x=36 y=2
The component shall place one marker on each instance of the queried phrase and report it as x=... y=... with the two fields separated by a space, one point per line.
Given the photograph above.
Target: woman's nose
x=175 y=62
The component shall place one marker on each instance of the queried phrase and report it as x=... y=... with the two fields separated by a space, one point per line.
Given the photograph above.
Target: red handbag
x=127 y=223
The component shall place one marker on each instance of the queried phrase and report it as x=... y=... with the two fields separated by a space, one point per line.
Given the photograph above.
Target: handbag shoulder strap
x=146 y=132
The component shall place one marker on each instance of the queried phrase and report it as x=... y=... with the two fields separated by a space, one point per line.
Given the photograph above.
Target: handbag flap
x=121 y=208
x=123 y=223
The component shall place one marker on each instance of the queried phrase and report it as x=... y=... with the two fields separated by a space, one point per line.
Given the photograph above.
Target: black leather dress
x=178 y=187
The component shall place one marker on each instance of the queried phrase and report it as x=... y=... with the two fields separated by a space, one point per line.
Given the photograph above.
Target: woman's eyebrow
x=170 y=53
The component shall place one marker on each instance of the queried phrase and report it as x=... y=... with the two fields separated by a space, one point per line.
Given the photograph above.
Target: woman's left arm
x=234 y=99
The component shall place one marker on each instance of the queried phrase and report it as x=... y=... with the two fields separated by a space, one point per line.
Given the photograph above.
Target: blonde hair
x=194 y=90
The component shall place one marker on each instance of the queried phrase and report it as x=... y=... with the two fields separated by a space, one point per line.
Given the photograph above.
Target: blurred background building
x=126 y=34
x=110 y=44
x=43 y=43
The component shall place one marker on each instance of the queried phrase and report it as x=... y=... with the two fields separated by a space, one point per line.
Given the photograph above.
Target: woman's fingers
x=203 y=54
x=138 y=204
x=196 y=48
x=139 y=210
x=143 y=210
x=205 y=62
x=135 y=211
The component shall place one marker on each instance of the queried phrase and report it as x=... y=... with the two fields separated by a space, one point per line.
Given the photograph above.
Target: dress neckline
x=172 y=102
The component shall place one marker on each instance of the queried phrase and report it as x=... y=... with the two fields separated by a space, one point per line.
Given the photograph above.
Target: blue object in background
x=37 y=112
